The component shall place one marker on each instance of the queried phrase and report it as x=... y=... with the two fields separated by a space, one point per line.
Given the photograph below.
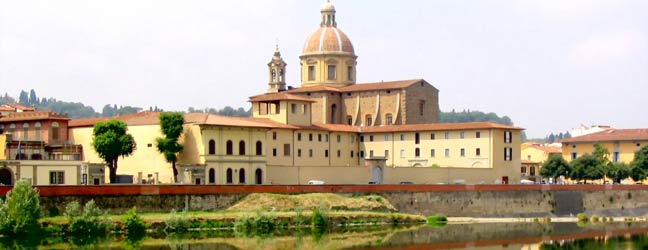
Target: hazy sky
x=549 y=65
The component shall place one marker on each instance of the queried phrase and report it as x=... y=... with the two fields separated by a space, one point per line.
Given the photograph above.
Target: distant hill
x=473 y=116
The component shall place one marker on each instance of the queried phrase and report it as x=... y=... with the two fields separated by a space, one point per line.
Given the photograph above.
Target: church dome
x=328 y=39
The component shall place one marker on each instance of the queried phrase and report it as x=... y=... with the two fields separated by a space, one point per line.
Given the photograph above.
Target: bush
x=582 y=217
x=264 y=224
x=319 y=218
x=595 y=218
x=437 y=219
x=244 y=224
x=21 y=210
x=133 y=223
x=176 y=224
x=89 y=223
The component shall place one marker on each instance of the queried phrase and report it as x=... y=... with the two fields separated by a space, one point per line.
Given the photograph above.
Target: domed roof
x=328 y=6
x=328 y=39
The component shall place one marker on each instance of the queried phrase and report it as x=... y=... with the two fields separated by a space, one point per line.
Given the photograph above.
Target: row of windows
x=331 y=72
x=320 y=137
x=417 y=136
x=361 y=153
x=229 y=147
x=37 y=130
x=229 y=176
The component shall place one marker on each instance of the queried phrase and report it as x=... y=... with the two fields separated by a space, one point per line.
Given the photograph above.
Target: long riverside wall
x=451 y=200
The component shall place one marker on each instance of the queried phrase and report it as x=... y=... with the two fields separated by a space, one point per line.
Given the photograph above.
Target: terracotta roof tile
x=315 y=88
x=33 y=115
x=380 y=85
x=15 y=106
x=437 y=127
x=612 y=135
x=281 y=96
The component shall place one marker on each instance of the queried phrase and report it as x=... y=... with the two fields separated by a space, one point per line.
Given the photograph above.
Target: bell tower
x=276 y=73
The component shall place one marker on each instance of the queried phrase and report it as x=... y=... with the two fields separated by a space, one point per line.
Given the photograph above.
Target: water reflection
x=519 y=236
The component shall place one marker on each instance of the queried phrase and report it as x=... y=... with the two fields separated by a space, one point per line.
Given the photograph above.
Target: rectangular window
x=57 y=177
x=361 y=153
x=463 y=152
x=447 y=135
x=362 y=138
x=310 y=137
x=432 y=153
x=331 y=72
x=615 y=157
x=523 y=170
x=574 y=155
x=299 y=152
x=326 y=138
x=311 y=73
x=447 y=152
x=349 y=121
x=417 y=152
x=507 y=137
x=386 y=153
x=339 y=153
x=274 y=135
x=477 y=134
x=319 y=137
x=274 y=152
x=350 y=73
x=371 y=138
x=417 y=138
x=432 y=136
x=339 y=138
x=326 y=153
x=293 y=108
x=286 y=149
x=310 y=153
x=387 y=138
x=371 y=154
x=352 y=139
x=478 y=152
x=462 y=135
x=421 y=107
x=352 y=154
x=508 y=154
x=402 y=153
x=299 y=136
x=402 y=137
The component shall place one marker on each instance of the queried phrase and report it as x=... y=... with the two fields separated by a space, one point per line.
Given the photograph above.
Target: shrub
x=319 y=218
x=176 y=224
x=264 y=223
x=244 y=224
x=90 y=223
x=595 y=218
x=582 y=217
x=437 y=219
x=133 y=222
x=21 y=210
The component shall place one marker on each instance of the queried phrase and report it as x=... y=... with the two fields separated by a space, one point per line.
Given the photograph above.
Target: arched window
x=389 y=119
x=259 y=148
x=242 y=147
x=241 y=175
x=212 y=176
x=368 y=120
x=333 y=113
x=258 y=176
x=349 y=120
x=25 y=135
x=229 y=147
x=12 y=127
x=55 y=131
x=37 y=131
x=229 y=176
x=212 y=147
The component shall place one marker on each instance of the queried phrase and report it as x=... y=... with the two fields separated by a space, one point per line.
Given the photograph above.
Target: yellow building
x=533 y=156
x=622 y=144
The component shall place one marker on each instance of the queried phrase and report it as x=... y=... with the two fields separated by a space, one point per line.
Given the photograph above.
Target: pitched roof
x=314 y=88
x=16 y=106
x=437 y=127
x=281 y=96
x=33 y=115
x=612 y=135
x=546 y=149
x=359 y=87
x=218 y=120
x=141 y=118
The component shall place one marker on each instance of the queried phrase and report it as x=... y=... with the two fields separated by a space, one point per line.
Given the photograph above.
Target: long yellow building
x=621 y=143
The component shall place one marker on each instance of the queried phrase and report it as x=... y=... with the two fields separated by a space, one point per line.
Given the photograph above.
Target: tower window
x=311 y=73
x=350 y=73
x=332 y=72
x=421 y=107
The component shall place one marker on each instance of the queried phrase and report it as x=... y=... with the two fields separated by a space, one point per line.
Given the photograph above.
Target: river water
x=482 y=236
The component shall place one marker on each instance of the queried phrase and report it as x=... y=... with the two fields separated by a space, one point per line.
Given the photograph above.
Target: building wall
x=321 y=63
x=534 y=154
x=413 y=96
x=301 y=115
x=39 y=171
x=3 y=144
x=626 y=149
x=271 y=114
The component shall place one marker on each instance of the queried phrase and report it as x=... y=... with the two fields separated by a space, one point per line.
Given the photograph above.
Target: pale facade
x=621 y=143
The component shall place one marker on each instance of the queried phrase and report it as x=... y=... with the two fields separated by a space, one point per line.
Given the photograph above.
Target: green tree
x=602 y=156
x=585 y=168
x=110 y=141
x=21 y=210
x=23 y=99
x=171 y=126
x=639 y=170
x=618 y=171
x=555 y=166
x=33 y=99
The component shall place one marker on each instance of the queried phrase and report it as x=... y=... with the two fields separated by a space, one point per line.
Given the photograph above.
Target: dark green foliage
x=21 y=210
x=264 y=224
x=226 y=111
x=23 y=99
x=110 y=141
x=639 y=170
x=91 y=222
x=473 y=116
x=110 y=111
x=319 y=218
x=176 y=224
x=618 y=171
x=133 y=223
x=171 y=126
x=586 y=167
x=437 y=219
x=555 y=166
x=582 y=217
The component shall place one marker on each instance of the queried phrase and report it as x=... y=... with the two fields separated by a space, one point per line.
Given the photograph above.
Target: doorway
x=6 y=177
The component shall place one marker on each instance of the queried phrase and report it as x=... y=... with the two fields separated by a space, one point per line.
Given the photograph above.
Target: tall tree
x=639 y=170
x=555 y=166
x=585 y=168
x=33 y=99
x=171 y=126
x=602 y=156
x=618 y=171
x=23 y=99
x=110 y=141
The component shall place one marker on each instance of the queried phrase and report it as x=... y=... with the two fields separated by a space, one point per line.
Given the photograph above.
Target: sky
x=550 y=65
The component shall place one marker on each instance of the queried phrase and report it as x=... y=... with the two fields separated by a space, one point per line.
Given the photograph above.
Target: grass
x=283 y=202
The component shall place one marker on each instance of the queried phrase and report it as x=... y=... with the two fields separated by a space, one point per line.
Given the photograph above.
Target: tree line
x=597 y=166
